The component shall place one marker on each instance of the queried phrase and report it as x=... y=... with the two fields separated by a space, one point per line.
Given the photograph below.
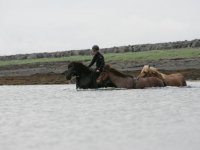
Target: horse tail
x=184 y=83
x=164 y=83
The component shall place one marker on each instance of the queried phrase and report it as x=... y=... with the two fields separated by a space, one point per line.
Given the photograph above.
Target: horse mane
x=155 y=71
x=118 y=73
x=81 y=67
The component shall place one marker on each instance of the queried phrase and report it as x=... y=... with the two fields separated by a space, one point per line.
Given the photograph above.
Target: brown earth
x=49 y=78
x=51 y=73
x=53 y=78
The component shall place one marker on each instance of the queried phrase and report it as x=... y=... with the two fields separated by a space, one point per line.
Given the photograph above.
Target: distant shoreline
x=115 y=49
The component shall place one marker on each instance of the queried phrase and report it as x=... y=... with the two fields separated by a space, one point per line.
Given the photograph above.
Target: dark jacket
x=99 y=59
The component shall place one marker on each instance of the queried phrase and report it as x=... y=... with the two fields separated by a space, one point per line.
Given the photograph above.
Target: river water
x=60 y=117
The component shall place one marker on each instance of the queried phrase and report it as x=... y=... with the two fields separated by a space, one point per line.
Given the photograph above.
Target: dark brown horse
x=176 y=79
x=85 y=77
x=122 y=80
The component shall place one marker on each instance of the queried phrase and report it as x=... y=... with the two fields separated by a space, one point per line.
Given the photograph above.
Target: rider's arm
x=102 y=63
x=93 y=61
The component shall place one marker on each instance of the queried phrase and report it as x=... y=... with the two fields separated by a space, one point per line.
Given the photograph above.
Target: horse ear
x=107 y=67
x=75 y=63
x=70 y=65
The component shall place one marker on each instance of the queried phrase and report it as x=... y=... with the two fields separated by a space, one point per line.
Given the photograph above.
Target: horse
x=85 y=77
x=122 y=80
x=175 y=79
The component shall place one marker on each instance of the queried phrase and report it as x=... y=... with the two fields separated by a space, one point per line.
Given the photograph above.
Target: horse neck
x=159 y=75
x=84 y=70
x=121 y=82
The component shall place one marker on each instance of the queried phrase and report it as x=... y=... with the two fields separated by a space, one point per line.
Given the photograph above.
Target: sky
x=32 y=26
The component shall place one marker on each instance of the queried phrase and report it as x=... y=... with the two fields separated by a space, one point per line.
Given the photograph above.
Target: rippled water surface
x=59 y=117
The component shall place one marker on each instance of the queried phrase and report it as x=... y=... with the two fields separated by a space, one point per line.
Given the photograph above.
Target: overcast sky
x=29 y=26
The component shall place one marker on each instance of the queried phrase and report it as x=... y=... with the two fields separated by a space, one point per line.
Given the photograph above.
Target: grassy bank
x=137 y=56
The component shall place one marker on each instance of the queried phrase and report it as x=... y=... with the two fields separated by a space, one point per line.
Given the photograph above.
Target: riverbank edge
x=52 y=73
x=54 y=78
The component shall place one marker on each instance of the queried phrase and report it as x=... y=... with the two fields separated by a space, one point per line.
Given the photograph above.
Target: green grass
x=154 y=55
x=43 y=60
x=130 y=56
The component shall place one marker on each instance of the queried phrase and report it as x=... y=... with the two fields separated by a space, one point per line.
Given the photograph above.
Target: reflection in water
x=59 y=117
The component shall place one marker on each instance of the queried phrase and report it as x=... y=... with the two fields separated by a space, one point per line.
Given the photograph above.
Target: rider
x=98 y=58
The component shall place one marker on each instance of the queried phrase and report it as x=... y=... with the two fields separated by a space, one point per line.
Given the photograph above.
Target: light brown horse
x=176 y=79
x=122 y=80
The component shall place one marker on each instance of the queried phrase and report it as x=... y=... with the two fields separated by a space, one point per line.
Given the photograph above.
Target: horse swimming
x=175 y=79
x=85 y=77
x=122 y=80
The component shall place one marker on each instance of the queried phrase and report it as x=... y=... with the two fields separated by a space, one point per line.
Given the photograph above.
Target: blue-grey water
x=48 y=117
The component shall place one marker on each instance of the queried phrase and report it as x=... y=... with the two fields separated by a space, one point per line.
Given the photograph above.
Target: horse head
x=145 y=72
x=76 y=69
x=148 y=71
x=72 y=71
x=104 y=74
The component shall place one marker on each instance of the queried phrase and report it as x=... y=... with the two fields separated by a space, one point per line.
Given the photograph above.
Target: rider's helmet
x=95 y=48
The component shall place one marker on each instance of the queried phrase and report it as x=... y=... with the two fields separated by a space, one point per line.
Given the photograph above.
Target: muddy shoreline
x=54 y=78
x=51 y=73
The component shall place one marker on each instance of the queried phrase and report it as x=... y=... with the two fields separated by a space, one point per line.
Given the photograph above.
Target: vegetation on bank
x=129 y=56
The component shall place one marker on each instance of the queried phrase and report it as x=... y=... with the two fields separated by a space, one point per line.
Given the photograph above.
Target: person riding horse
x=100 y=63
x=98 y=58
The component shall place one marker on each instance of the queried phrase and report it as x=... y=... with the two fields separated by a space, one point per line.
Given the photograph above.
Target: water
x=59 y=117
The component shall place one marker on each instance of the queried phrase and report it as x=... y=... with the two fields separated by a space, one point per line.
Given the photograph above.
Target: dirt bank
x=53 y=78
x=50 y=78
